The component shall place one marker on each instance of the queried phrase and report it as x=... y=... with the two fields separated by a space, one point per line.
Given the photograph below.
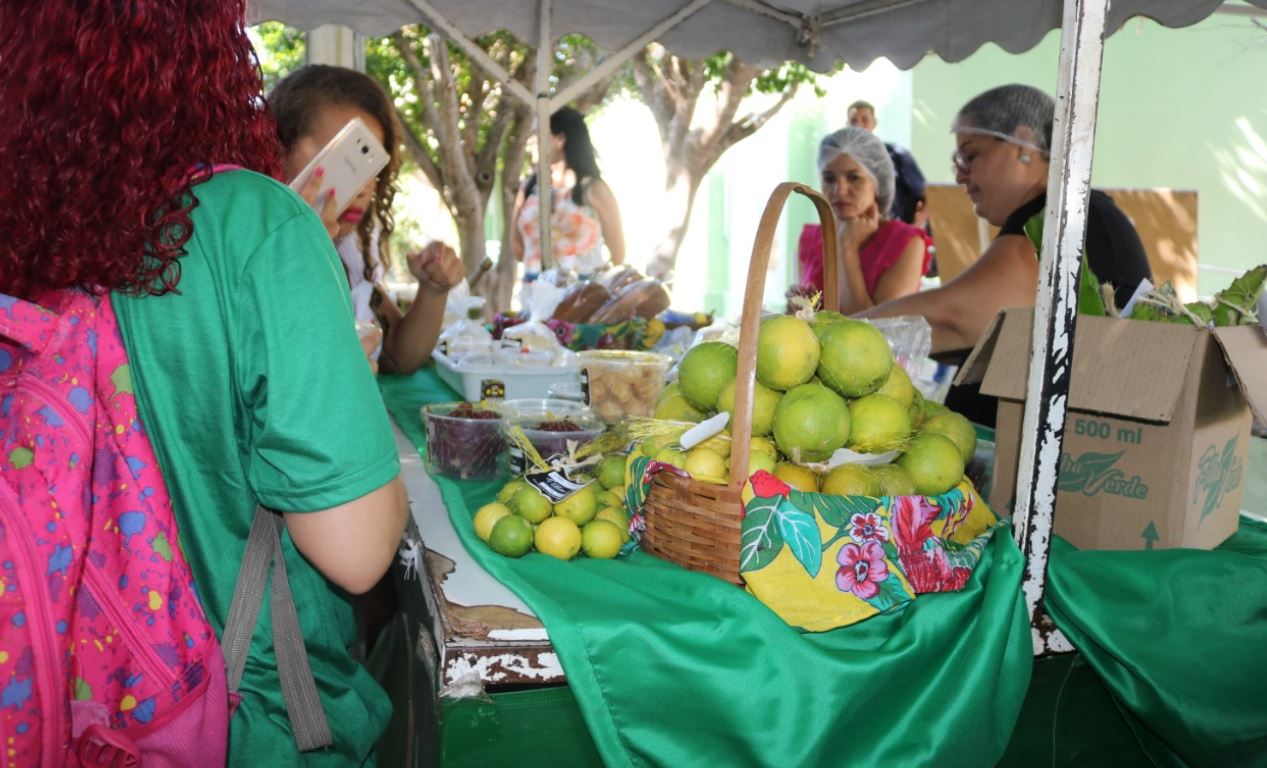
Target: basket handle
x=749 y=325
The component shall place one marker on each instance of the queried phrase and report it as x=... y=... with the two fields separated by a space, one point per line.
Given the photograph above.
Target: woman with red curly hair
x=234 y=310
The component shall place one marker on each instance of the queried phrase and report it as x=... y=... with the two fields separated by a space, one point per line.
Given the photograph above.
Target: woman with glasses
x=1002 y=158
x=880 y=257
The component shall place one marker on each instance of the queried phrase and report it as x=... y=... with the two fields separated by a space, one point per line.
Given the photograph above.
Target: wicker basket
x=698 y=525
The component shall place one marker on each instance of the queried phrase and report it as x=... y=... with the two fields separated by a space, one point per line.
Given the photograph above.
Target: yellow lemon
x=558 y=537
x=800 y=478
x=487 y=517
x=580 y=507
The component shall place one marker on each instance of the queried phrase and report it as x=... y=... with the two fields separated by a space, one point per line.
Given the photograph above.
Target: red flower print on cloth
x=766 y=484
x=861 y=569
x=868 y=528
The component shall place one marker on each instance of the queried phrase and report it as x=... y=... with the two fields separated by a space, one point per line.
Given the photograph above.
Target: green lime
x=602 y=539
x=611 y=471
x=512 y=536
x=529 y=504
x=487 y=517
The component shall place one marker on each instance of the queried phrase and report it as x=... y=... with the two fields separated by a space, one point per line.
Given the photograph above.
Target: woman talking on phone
x=311 y=106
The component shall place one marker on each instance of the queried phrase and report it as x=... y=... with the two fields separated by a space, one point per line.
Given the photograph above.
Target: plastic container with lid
x=568 y=389
x=549 y=425
x=464 y=440
x=618 y=384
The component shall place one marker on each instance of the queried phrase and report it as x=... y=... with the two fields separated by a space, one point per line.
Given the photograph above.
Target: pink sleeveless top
x=880 y=253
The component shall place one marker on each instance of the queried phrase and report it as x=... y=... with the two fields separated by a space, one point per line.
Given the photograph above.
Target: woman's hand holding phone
x=328 y=211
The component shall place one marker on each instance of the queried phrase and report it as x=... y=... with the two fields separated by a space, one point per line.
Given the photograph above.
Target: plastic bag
x=467 y=337
x=456 y=304
x=540 y=299
x=910 y=337
x=674 y=343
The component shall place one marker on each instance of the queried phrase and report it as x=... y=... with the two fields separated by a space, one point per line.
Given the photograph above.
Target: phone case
x=353 y=157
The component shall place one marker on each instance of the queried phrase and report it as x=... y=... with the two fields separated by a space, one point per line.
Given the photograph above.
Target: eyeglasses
x=961 y=163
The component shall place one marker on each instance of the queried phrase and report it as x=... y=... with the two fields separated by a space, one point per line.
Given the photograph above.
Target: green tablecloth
x=676 y=668
x=1180 y=638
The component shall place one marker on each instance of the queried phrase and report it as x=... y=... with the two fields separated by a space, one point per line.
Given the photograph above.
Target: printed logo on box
x=1217 y=475
x=492 y=389
x=1093 y=473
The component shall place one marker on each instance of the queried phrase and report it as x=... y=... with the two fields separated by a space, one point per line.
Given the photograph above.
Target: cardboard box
x=1157 y=432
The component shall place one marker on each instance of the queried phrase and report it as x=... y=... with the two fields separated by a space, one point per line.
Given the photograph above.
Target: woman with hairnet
x=1002 y=156
x=880 y=258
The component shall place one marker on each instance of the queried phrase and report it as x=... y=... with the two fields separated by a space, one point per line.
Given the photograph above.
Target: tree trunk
x=470 y=225
x=508 y=184
x=681 y=188
x=671 y=87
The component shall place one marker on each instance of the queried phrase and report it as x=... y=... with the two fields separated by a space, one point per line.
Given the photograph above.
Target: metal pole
x=617 y=59
x=545 y=183
x=1055 y=312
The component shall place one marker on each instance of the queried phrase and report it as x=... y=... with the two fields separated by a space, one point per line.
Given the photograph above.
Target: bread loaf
x=655 y=299
x=581 y=301
x=618 y=277
x=641 y=298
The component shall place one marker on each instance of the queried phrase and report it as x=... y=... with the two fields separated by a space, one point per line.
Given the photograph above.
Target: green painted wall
x=1183 y=108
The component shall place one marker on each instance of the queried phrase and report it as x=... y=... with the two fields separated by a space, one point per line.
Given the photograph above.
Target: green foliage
x=788 y=75
x=281 y=50
x=1234 y=305
x=1091 y=299
x=761 y=540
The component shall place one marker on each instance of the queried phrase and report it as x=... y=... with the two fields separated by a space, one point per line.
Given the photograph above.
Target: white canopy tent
x=818 y=34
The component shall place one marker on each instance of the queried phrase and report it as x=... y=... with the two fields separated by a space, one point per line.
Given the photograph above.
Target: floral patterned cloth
x=576 y=237
x=822 y=561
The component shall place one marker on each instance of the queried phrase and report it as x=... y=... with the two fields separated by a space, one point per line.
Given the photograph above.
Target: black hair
x=578 y=151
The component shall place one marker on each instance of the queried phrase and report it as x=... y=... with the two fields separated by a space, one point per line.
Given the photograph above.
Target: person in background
x=1002 y=158
x=310 y=106
x=879 y=257
x=583 y=213
x=908 y=192
x=234 y=312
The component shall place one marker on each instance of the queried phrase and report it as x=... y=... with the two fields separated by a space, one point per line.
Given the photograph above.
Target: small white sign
x=555 y=484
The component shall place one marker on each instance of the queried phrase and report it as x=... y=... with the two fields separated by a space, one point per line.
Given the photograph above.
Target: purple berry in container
x=464 y=440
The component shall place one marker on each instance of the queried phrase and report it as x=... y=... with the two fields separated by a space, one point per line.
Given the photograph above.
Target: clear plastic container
x=567 y=390
x=618 y=384
x=549 y=425
x=467 y=447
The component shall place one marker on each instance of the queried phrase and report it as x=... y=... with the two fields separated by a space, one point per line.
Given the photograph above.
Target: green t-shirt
x=253 y=386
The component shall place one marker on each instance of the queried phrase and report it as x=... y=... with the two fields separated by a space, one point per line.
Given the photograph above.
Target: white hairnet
x=1000 y=112
x=868 y=151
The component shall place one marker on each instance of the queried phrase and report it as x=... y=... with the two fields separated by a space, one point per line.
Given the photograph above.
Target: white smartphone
x=353 y=157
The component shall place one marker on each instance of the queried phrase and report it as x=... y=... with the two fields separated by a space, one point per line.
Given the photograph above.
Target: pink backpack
x=106 y=655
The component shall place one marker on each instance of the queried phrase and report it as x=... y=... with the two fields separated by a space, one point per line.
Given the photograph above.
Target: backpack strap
x=299 y=689
x=27 y=325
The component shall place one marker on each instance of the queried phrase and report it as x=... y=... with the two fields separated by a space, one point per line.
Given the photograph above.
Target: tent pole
x=1055 y=312
x=765 y=9
x=863 y=10
x=627 y=52
x=545 y=182
x=468 y=46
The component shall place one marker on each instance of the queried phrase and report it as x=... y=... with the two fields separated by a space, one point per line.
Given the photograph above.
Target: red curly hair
x=107 y=106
